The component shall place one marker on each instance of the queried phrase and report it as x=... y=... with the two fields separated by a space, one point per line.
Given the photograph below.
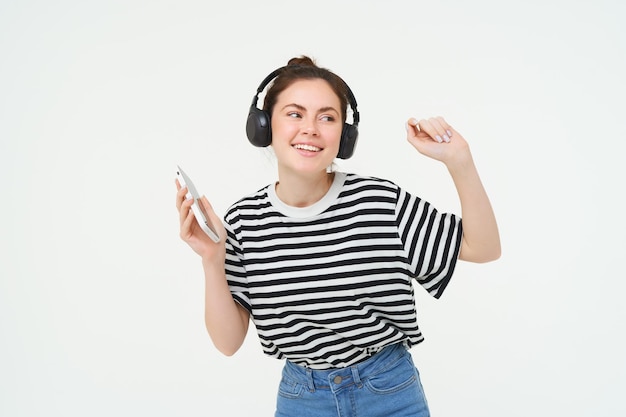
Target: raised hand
x=192 y=233
x=437 y=139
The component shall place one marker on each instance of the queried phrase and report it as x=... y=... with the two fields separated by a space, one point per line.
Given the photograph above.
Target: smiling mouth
x=309 y=148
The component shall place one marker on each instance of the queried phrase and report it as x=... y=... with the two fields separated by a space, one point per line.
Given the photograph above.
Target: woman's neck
x=303 y=191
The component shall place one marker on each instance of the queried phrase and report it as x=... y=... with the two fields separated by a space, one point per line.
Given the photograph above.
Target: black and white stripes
x=329 y=284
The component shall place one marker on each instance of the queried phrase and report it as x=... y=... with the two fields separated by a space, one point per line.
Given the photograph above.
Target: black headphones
x=258 y=126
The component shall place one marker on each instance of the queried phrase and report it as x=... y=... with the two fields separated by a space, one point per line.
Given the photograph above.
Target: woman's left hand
x=435 y=138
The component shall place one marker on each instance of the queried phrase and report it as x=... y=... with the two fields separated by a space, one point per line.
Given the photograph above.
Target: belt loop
x=355 y=375
x=309 y=376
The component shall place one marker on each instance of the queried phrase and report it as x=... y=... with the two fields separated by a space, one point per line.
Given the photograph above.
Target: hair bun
x=302 y=61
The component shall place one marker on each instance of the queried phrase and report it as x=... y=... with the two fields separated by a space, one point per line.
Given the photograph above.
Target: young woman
x=323 y=261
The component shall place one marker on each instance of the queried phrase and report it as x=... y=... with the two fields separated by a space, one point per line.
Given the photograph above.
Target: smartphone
x=198 y=210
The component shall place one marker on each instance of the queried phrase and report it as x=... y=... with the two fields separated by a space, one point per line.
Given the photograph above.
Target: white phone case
x=198 y=211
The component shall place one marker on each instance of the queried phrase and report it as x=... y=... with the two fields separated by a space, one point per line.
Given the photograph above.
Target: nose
x=310 y=127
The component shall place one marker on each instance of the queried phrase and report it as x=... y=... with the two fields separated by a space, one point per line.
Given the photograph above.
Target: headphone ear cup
x=258 y=127
x=349 y=136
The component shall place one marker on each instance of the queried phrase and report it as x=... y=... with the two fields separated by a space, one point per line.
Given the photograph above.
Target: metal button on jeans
x=337 y=379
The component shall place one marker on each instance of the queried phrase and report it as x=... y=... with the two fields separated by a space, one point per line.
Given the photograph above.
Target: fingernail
x=446 y=138
x=449 y=133
x=413 y=120
x=438 y=138
x=406 y=126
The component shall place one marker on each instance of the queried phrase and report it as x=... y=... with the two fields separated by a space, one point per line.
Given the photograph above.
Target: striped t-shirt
x=330 y=284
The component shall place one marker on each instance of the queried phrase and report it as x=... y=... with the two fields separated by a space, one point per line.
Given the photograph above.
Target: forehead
x=314 y=92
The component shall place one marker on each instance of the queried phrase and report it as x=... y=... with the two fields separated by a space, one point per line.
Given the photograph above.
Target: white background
x=101 y=303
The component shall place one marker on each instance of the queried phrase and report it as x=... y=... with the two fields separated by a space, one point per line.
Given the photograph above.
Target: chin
x=311 y=169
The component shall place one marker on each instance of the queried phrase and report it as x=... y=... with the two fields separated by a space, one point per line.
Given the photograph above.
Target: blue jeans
x=385 y=385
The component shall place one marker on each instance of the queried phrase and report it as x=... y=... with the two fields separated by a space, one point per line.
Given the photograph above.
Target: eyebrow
x=321 y=110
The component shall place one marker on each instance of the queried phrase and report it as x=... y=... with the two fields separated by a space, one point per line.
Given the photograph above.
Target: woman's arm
x=435 y=138
x=225 y=320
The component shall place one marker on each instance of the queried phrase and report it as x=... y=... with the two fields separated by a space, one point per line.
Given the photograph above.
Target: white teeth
x=307 y=147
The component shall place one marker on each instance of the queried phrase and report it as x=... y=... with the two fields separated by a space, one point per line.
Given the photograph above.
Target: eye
x=327 y=118
x=293 y=114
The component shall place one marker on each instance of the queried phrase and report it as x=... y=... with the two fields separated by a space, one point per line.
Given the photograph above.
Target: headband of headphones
x=258 y=126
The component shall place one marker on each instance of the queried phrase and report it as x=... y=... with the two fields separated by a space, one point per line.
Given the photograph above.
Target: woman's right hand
x=192 y=233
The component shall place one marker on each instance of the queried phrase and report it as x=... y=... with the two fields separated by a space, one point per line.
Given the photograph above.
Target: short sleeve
x=431 y=241
x=235 y=270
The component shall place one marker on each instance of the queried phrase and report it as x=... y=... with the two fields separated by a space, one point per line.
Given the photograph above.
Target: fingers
x=187 y=219
x=183 y=204
x=412 y=123
x=181 y=195
x=185 y=211
x=435 y=127
x=191 y=231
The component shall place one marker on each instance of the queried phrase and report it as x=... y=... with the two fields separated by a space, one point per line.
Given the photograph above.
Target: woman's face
x=306 y=127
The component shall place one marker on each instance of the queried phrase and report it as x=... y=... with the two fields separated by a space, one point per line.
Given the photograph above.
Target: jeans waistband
x=338 y=378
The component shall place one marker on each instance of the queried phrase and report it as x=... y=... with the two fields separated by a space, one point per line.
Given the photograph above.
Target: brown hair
x=304 y=68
